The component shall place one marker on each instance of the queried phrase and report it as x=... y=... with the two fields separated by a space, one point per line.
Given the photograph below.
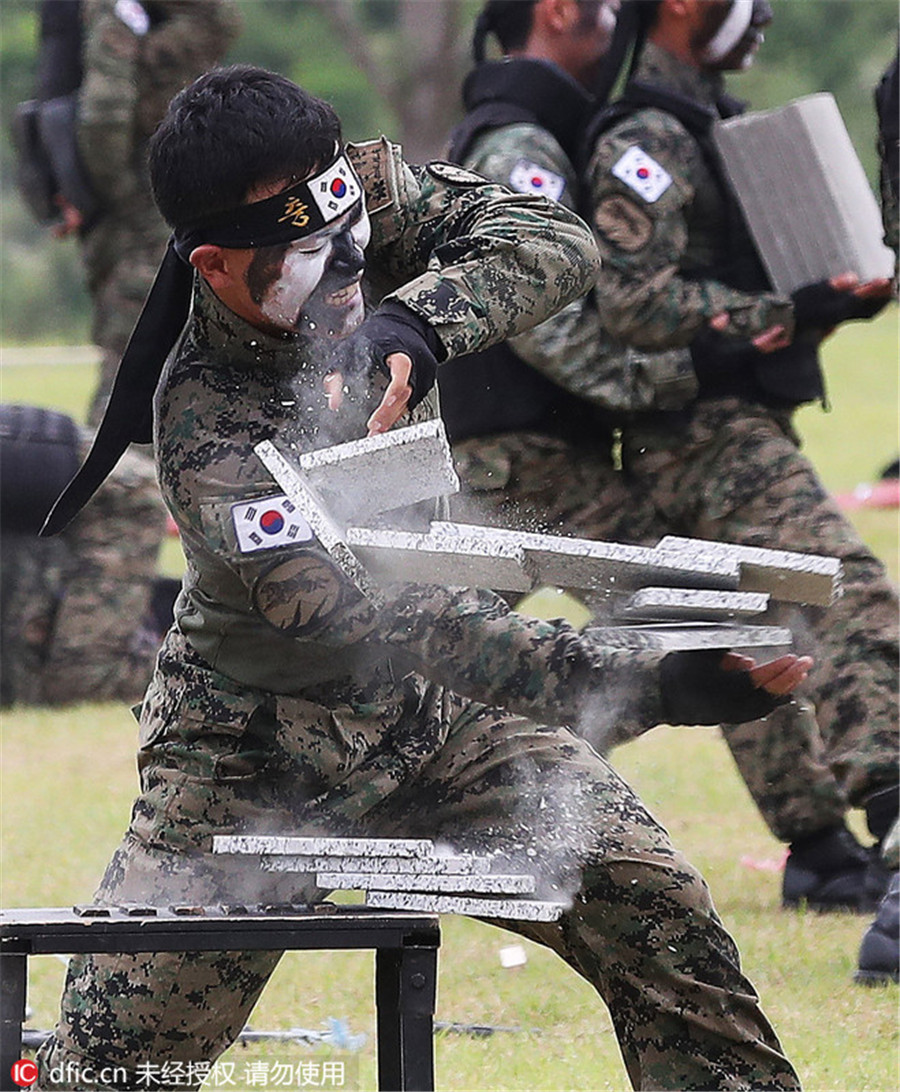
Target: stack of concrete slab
x=682 y=593
x=401 y=874
x=804 y=193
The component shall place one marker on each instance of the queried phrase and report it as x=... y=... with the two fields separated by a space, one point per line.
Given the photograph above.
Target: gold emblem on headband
x=296 y=212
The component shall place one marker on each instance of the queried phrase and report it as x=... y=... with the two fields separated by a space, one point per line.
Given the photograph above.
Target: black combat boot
x=881 y=815
x=879 y=953
x=827 y=871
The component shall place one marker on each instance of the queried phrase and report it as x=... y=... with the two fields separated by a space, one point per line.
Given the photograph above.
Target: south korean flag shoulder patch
x=528 y=177
x=268 y=522
x=643 y=174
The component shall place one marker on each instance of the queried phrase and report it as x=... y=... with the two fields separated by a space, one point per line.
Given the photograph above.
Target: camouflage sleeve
x=469 y=640
x=108 y=98
x=464 y=638
x=571 y=348
x=527 y=159
x=478 y=262
x=567 y=346
x=643 y=179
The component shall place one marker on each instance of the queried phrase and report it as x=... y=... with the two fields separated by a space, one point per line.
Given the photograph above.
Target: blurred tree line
x=395 y=66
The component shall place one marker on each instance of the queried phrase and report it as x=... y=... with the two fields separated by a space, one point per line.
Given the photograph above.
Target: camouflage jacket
x=479 y=264
x=136 y=57
x=658 y=217
x=572 y=348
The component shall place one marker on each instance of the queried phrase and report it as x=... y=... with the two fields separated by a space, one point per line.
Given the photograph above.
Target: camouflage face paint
x=316 y=283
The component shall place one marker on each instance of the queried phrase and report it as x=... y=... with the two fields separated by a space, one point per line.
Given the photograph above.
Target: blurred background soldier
x=535 y=422
x=879 y=953
x=81 y=615
x=105 y=74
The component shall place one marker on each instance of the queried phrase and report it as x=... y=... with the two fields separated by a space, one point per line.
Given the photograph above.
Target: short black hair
x=231 y=130
x=510 y=20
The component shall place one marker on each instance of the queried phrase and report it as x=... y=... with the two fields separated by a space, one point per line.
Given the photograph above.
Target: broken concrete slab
x=513 y=909
x=436 y=558
x=438 y=865
x=783 y=574
x=270 y=844
x=313 y=509
x=690 y=604
x=493 y=884
x=673 y=637
x=375 y=474
x=563 y=562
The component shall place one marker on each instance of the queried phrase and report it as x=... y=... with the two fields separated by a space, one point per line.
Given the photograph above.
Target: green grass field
x=67 y=781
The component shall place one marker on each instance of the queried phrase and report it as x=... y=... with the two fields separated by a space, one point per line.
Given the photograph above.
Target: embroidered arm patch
x=528 y=177
x=643 y=174
x=267 y=522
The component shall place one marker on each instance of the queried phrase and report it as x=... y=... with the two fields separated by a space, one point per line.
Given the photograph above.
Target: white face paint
x=310 y=263
x=607 y=15
x=733 y=28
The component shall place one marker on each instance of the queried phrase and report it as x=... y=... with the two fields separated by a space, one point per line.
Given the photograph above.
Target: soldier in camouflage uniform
x=534 y=422
x=134 y=56
x=285 y=701
x=83 y=614
x=879 y=952
x=679 y=270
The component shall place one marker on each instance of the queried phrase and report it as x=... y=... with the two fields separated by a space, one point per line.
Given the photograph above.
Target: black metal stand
x=405 y=945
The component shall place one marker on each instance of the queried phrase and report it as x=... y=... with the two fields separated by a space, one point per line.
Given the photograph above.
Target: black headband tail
x=294 y=213
x=129 y=413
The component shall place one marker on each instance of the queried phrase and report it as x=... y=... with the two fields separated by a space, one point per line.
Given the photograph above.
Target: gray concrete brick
x=826 y=219
x=512 y=909
x=454 y=561
x=494 y=884
x=432 y=866
x=690 y=604
x=782 y=574
x=270 y=844
x=673 y=637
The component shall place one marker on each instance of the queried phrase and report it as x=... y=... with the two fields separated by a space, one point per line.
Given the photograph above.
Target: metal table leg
x=13 y=978
x=405 y=992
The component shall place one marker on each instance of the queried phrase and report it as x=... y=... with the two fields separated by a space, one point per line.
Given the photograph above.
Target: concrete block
x=408 y=866
x=786 y=575
x=600 y=566
x=463 y=561
x=270 y=844
x=494 y=884
x=513 y=909
x=316 y=514
x=673 y=637
x=804 y=193
x=690 y=604
x=391 y=470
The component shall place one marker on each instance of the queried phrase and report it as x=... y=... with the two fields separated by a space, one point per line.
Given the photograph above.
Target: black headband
x=302 y=210
x=293 y=214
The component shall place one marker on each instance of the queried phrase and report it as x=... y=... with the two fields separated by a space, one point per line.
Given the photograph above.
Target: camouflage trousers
x=641 y=929
x=73 y=606
x=734 y=473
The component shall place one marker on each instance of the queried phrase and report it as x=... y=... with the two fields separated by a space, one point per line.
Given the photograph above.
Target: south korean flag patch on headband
x=528 y=177
x=643 y=174
x=336 y=189
x=268 y=522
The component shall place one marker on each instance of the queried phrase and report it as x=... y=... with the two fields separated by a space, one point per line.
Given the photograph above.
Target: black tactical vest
x=725 y=366
x=495 y=391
